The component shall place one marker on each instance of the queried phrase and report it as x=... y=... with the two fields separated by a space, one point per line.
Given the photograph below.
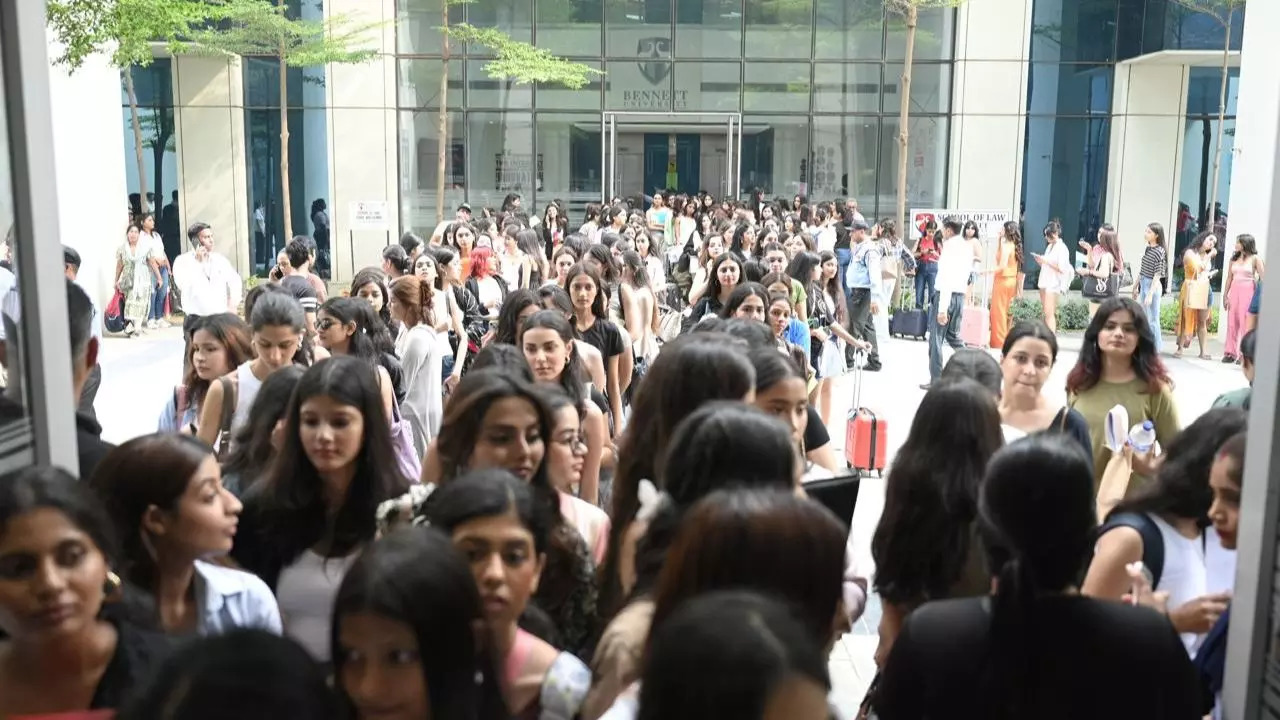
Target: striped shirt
x=1155 y=263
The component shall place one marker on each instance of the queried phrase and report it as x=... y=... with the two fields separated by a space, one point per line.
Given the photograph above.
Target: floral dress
x=135 y=282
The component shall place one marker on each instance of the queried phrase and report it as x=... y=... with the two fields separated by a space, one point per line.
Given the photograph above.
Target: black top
x=395 y=371
x=90 y=444
x=139 y=655
x=301 y=289
x=604 y=336
x=707 y=305
x=1088 y=658
x=815 y=433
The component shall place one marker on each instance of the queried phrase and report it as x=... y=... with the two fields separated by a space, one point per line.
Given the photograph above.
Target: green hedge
x=1073 y=313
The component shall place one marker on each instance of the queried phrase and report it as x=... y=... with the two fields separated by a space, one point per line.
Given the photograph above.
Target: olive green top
x=1094 y=404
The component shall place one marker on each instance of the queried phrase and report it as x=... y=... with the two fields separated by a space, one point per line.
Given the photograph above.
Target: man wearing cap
x=464 y=213
x=71 y=268
x=866 y=292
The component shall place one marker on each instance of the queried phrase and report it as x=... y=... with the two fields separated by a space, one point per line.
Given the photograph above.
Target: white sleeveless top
x=1193 y=567
x=306 y=591
x=247 y=389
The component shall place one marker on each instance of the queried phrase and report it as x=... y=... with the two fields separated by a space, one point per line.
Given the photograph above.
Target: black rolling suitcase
x=908 y=322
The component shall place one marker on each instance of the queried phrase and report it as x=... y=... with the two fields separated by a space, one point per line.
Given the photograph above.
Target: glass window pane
x=707 y=86
x=1064 y=176
x=569 y=145
x=847 y=87
x=1055 y=89
x=513 y=17
x=1204 y=90
x=500 y=158
x=1073 y=32
x=639 y=29
x=484 y=91
x=780 y=87
x=849 y=30
x=420 y=83
x=774 y=154
x=1195 y=188
x=1185 y=29
x=153 y=84
x=709 y=28
x=930 y=87
x=418 y=23
x=935 y=35
x=779 y=29
x=845 y=159
x=308 y=175
x=570 y=27
x=559 y=97
x=646 y=86
x=419 y=163
x=926 y=164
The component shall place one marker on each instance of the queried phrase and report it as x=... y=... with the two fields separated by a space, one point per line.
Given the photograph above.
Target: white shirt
x=207 y=287
x=955 y=263
x=1056 y=280
x=230 y=599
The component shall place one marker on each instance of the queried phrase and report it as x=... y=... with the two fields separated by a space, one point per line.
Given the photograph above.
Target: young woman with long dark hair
x=370 y=285
x=547 y=341
x=255 y=445
x=407 y=636
x=585 y=286
x=689 y=371
x=307 y=520
x=1244 y=273
x=518 y=306
x=1025 y=651
x=279 y=339
x=219 y=344
x=1118 y=365
x=725 y=276
x=1006 y=286
x=1197 y=265
x=504 y=529
x=1172 y=513
x=1152 y=273
x=74 y=640
x=175 y=518
x=556 y=298
x=566 y=458
x=925 y=545
x=348 y=326
x=1055 y=272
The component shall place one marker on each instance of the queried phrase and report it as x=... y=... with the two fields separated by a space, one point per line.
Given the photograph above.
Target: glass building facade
x=812 y=85
x=1075 y=47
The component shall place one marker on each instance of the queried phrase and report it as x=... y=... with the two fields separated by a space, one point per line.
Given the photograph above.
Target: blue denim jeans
x=160 y=296
x=926 y=276
x=939 y=334
x=1152 y=308
x=843 y=257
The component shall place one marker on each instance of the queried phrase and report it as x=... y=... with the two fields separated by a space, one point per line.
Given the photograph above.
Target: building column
x=208 y=103
x=1258 y=106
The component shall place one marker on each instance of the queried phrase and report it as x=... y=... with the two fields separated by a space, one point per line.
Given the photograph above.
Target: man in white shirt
x=207 y=281
x=954 y=266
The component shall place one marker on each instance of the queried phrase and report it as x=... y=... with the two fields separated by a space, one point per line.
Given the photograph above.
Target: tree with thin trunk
x=514 y=61
x=262 y=28
x=1223 y=12
x=126 y=31
x=909 y=11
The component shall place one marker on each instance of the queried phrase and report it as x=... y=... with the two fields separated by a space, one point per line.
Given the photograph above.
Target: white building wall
x=988 y=101
x=364 y=164
x=1253 y=176
x=93 y=207
x=1149 y=106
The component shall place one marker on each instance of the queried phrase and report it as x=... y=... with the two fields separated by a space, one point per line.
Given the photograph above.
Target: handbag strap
x=228 y=410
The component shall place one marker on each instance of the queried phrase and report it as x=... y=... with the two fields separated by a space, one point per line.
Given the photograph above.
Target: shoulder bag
x=223 y=440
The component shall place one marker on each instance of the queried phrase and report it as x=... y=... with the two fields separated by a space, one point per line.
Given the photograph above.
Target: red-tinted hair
x=480 y=258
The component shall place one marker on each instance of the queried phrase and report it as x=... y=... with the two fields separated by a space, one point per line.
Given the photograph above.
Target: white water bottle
x=1143 y=437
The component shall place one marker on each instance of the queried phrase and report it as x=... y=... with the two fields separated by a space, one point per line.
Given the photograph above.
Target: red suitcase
x=867 y=434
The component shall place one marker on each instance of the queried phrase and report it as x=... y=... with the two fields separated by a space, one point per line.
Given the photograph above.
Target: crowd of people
x=527 y=471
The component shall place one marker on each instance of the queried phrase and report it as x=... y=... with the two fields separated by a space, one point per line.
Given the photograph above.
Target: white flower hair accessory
x=651 y=501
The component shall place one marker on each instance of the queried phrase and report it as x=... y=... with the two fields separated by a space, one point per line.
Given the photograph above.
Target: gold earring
x=112 y=585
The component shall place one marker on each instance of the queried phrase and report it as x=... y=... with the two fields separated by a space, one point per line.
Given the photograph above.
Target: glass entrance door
x=685 y=152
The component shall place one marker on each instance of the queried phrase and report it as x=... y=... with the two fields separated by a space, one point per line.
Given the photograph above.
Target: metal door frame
x=609 y=144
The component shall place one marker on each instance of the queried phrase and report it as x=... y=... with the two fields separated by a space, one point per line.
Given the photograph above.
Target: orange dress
x=1003 y=290
x=1188 y=319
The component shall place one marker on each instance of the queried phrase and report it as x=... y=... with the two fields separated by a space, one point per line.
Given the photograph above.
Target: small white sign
x=370 y=215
